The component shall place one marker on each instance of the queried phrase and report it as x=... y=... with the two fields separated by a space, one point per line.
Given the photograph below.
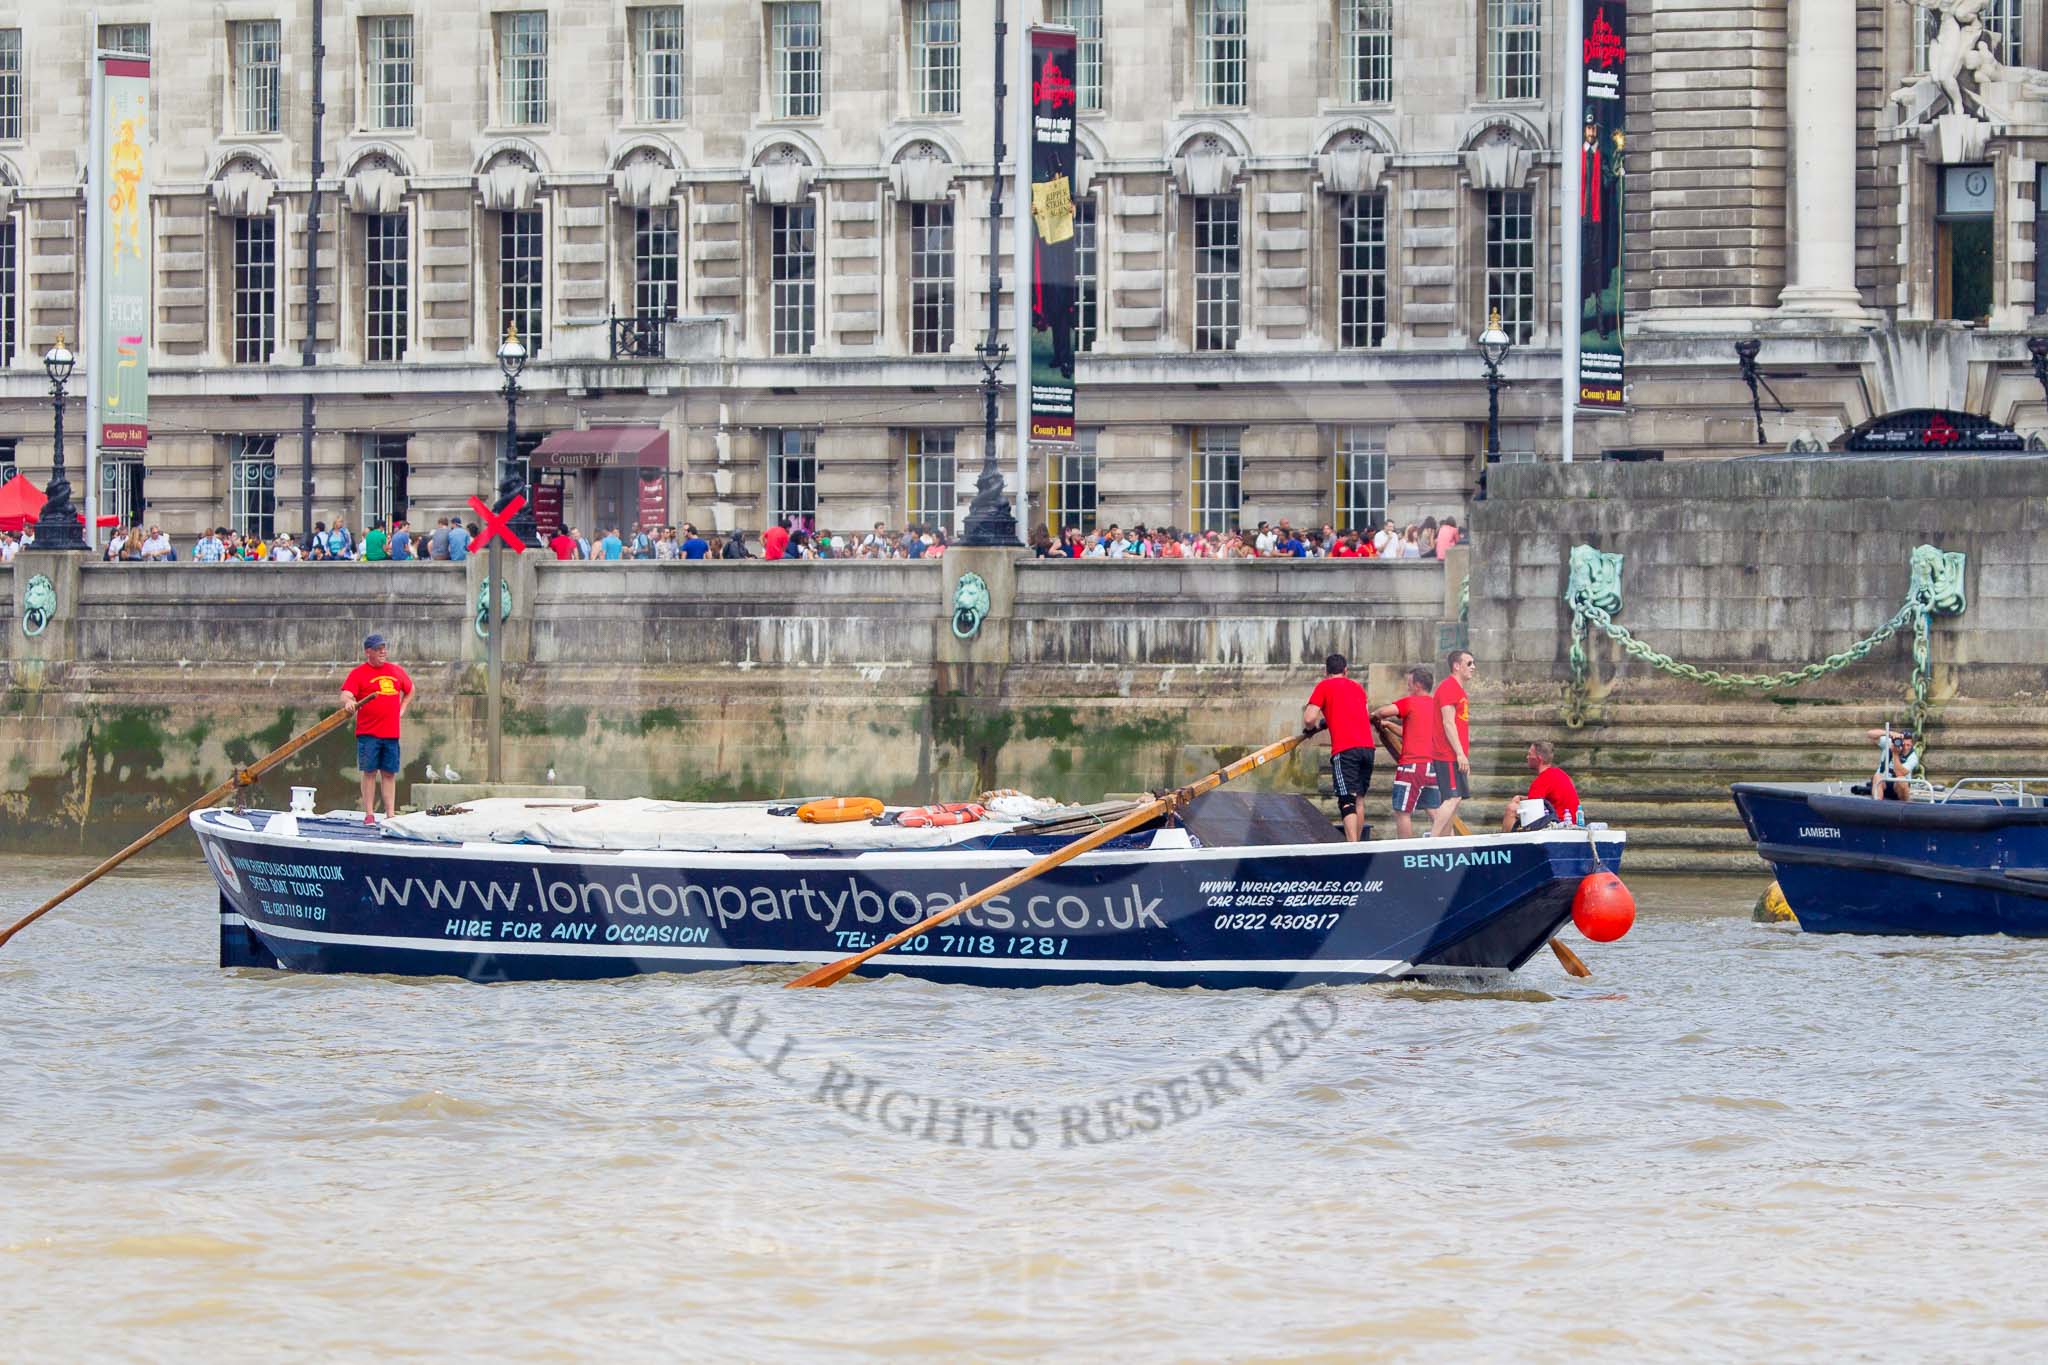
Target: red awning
x=21 y=502
x=604 y=448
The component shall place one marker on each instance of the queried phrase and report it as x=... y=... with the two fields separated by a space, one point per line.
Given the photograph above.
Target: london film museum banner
x=120 y=194
x=1051 y=271
x=1602 y=70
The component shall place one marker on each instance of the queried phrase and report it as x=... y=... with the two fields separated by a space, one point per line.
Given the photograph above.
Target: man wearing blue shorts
x=376 y=692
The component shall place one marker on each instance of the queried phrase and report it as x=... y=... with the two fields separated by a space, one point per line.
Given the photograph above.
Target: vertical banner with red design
x=118 y=174
x=1602 y=141
x=1050 y=284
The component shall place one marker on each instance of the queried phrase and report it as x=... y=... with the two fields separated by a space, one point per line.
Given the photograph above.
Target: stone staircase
x=1662 y=770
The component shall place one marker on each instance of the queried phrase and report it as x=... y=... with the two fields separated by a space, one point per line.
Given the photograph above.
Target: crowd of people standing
x=1430 y=730
x=1426 y=539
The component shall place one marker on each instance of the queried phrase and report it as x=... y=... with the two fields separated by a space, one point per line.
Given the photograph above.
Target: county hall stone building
x=745 y=241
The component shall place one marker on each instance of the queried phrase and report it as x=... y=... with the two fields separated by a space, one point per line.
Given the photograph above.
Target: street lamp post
x=2037 y=347
x=989 y=519
x=511 y=483
x=57 y=528
x=1747 y=350
x=1494 y=345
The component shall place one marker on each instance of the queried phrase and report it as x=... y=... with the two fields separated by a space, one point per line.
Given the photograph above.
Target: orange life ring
x=835 y=810
x=955 y=813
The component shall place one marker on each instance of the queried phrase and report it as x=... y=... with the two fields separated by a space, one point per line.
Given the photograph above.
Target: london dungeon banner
x=1054 y=314
x=1602 y=68
x=120 y=195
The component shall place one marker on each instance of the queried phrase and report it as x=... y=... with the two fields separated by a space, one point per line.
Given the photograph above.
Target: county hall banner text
x=1051 y=281
x=120 y=192
x=1600 y=205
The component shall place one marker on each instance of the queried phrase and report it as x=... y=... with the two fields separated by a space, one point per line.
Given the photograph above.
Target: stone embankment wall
x=1759 y=565
x=688 y=680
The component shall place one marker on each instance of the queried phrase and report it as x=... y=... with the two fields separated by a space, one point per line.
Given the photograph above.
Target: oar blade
x=828 y=975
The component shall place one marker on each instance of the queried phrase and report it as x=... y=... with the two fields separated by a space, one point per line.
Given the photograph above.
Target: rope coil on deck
x=1593 y=592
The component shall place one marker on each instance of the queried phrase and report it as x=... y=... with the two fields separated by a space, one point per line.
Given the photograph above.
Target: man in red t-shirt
x=376 y=691
x=1552 y=785
x=1422 y=748
x=775 y=541
x=1339 y=703
x=1454 y=778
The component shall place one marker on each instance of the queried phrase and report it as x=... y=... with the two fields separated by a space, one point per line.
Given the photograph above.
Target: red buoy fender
x=954 y=813
x=1603 y=909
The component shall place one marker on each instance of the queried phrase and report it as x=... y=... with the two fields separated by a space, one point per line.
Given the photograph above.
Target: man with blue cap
x=376 y=692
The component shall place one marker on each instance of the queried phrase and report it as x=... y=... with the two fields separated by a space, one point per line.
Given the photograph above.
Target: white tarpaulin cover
x=689 y=826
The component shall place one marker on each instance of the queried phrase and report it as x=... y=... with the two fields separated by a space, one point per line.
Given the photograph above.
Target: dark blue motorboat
x=1270 y=905
x=1967 y=859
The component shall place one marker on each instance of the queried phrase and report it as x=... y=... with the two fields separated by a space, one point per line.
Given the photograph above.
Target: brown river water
x=1735 y=1141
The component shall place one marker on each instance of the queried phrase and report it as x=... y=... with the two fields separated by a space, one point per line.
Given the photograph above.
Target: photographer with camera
x=1898 y=763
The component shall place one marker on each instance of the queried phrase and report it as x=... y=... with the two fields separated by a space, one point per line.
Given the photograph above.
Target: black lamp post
x=989 y=519
x=1494 y=345
x=2037 y=347
x=1746 y=353
x=512 y=479
x=57 y=528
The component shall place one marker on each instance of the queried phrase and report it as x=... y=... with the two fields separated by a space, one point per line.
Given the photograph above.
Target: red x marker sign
x=498 y=523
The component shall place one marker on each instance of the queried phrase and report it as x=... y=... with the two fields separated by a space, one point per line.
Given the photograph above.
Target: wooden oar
x=1149 y=810
x=240 y=779
x=1574 y=965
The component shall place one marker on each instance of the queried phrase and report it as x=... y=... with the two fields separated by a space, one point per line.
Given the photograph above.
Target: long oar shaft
x=240 y=779
x=833 y=972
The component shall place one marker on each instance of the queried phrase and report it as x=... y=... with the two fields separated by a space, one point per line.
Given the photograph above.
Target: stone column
x=1820 y=81
x=47 y=584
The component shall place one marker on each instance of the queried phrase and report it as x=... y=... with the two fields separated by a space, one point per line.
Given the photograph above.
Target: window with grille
x=385 y=475
x=658 y=64
x=1085 y=18
x=1511 y=261
x=1518 y=444
x=10 y=85
x=1220 y=52
x=1361 y=270
x=1360 y=462
x=132 y=39
x=1514 y=49
x=657 y=263
x=793 y=278
x=1086 y=283
x=387 y=286
x=931 y=278
x=1218 y=287
x=523 y=67
x=255 y=45
x=254 y=301
x=252 y=486
x=10 y=278
x=522 y=263
x=387 y=71
x=797 y=58
x=2006 y=18
x=1218 y=466
x=935 y=55
x=792 y=475
x=1070 y=485
x=1365 y=50
x=930 y=492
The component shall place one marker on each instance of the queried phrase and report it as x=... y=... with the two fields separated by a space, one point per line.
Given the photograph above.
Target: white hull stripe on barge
x=741 y=956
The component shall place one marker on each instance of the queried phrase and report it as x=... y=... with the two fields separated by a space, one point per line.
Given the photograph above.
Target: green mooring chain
x=1593 y=592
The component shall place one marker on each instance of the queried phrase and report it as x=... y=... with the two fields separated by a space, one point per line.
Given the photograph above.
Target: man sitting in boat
x=1553 y=798
x=1339 y=704
x=1898 y=763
